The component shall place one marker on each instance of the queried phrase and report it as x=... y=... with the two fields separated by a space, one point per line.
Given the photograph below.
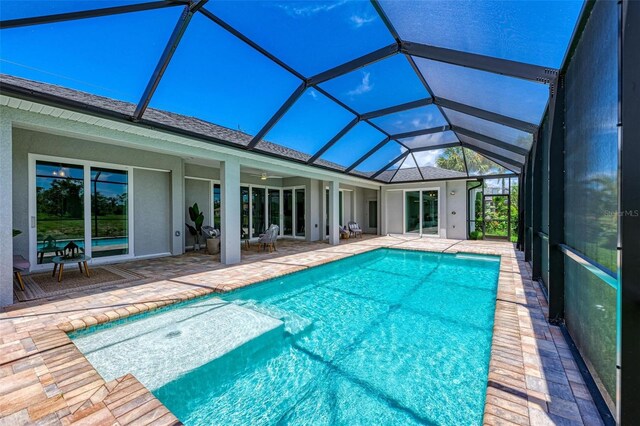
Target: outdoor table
x=60 y=261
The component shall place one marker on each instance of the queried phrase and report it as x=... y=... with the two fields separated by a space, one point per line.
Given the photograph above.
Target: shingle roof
x=168 y=119
x=197 y=127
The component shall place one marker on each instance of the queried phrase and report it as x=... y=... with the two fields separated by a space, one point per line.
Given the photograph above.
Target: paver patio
x=44 y=379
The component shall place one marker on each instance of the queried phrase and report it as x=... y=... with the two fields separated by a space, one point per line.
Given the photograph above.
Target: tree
x=453 y=159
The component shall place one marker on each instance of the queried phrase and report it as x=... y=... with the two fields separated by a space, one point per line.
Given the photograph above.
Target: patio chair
x=269 y=238
x=354 y=229
x=210 y=232
x=50 y=245
x=20 y=264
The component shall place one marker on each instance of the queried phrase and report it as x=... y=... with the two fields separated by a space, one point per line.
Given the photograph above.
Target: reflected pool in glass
x=385 y=337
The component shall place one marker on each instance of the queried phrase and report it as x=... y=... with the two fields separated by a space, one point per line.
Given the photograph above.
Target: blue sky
x=218 y=78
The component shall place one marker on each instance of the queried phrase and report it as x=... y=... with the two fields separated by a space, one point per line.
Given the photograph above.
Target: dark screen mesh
x=591 y=189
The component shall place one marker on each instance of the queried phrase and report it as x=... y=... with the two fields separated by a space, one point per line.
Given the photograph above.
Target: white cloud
x=359 y=21
x=305 y=9
x=426 y=158
x=364 y=86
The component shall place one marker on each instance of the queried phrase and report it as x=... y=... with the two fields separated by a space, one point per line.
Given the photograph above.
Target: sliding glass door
x=287 y=198
x=258 y=211
x=300 y=213
x=430 y=212
x=82 y=204
x=59 y=208
x=274 y=207
x=421 y=212
x=244 y=212
x=109 y=212
x=412 y=212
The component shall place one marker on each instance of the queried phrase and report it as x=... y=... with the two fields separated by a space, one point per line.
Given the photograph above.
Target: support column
x=230 y=211
x=528 y=209
x=177 y=208
x=556 y=204
x=536 y=213
x=334 y=193
x=628 y=367
x=6 y=213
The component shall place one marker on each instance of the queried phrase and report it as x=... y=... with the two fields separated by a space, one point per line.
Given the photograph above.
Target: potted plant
x=212 y=239
x=197 y=217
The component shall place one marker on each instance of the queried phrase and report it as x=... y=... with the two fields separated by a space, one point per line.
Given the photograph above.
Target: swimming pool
x=385 y=337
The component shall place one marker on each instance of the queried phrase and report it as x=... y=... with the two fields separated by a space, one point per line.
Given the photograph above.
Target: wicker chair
x=269 y=238
x=354 y=229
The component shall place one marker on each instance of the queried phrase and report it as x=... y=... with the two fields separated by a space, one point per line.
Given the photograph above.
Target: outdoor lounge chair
x=354 y=229
x=269 y=238
x=20 y=264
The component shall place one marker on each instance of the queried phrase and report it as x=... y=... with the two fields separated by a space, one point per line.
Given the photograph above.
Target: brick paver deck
x=44 y=379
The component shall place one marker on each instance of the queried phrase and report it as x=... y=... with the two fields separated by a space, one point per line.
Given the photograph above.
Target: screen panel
x=425 y=117
x=91 y=55
x=389 y=152
x=490 y=129
x=352 y=146
x=443 y=163
x=383 y=84
x=509 y=96
x=308 y=36
x=310 y=123
x=15 y=9
x=433 y=139
x=240 y=94
x=530 y=32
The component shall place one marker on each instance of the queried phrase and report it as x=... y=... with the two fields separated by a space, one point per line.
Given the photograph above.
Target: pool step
x=294 y=324
x=161 y=347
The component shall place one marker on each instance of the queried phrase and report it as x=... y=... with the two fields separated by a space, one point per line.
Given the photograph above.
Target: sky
x=218 y=78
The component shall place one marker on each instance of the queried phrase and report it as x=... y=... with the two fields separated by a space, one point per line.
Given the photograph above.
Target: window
x=216 y=206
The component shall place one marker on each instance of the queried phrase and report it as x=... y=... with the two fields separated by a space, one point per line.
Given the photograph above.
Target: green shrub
x=475 y=235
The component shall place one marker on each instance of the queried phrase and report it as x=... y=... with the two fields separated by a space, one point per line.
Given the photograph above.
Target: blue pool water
x=386 y=337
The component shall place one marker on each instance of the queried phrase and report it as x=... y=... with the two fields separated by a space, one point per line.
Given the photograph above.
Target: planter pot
x=213 y=245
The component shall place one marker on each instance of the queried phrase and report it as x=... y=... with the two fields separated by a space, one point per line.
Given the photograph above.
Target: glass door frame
x=326 y=208
x=87 y=191
x=421 y=202
x=294 y=221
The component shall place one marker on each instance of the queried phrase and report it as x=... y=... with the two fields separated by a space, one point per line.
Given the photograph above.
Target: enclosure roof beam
x=380 y=144
x=278 y=115
x=334 y=139
x=397 y=108
x=84 y=14
x=491 y=141
x=535 y=73
x=355 y=64
x=493 y=156
x=165 y=58
x=421 y=132
x=487 y=115
x=434 y=147
x=391 y=163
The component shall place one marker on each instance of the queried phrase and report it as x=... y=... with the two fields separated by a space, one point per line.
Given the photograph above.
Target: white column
x=323 y=209
x=177 y=208
x=230 y=211
x=334 y=193
x=6 y=213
